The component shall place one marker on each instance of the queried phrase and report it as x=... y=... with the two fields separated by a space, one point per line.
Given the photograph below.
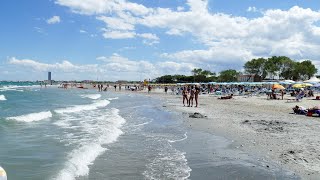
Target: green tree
x=286 y=67
x=165 y=79
x=273 y=66
x=196 y=71
x=207 y=73
x=306 y=69
x=229 y=75
x=256 y=67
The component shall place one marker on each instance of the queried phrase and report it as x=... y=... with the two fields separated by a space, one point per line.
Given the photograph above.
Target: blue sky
x=142 y=39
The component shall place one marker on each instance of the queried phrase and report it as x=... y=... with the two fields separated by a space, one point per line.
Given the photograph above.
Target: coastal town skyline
x=136 y=40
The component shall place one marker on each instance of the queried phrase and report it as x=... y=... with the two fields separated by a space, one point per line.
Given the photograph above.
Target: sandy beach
x=267 y=128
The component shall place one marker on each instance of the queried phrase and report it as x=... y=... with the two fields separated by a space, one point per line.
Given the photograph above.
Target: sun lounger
x=291 y=100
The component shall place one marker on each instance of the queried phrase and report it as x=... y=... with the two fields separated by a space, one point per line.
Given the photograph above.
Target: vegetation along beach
x=159 y=90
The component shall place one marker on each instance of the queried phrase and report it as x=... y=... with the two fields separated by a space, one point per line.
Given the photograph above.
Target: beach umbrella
x=316 y=85
x=307 y=84
x=277 y=86
x=285 y=82
x=289 y=81
x=298 y=86
x=312 y=80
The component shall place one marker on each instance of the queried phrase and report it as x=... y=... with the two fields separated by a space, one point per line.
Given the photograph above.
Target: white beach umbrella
x=289 y=81
x=312 y=80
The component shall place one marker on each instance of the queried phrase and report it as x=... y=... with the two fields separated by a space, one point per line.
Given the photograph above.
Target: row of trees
x=200 y=75
x=281 y=67
x=274 y=67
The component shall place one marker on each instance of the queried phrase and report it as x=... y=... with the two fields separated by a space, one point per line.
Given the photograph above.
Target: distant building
x=49 y=78
x=121 y=82
x=249 y=78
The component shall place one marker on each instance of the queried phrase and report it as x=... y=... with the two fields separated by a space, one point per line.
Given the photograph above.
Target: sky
x=111 y=40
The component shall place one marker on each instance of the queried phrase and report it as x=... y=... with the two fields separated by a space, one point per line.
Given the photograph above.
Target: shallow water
x=51 y=133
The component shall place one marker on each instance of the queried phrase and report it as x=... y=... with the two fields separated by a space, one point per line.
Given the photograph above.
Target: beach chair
x=299 y=97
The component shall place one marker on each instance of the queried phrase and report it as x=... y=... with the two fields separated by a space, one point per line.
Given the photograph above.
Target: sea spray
x=2 y=98
x=91 y=96
x=79 y=108
x=97 y=129
x=32 y=117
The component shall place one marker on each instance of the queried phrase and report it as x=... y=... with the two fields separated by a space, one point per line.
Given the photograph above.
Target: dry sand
x=266 y=128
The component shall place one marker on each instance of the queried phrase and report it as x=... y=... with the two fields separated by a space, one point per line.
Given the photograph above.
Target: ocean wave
x=79 y=108
x=91 y=96
x=18 y=88
x=169 y=164
x=110 y=99
x=79 y=161
x=32 y=117
x=2 y=98
x=97 y=129
x=142 y=124
x=10 y=88
x=178 y=140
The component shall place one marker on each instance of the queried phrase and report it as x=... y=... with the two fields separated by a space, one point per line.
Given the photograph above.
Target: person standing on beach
x=149 y=89
x=192 y=92
x=166 y=89
x=196 y=95
x=115 y=87
x=99 y=87
x=184 y=95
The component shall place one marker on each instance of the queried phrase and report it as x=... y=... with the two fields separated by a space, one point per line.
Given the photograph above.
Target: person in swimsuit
x=184 y=95
x=192 y=92
x=196 y=95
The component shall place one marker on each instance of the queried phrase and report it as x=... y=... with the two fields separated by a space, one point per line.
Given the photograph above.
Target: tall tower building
x=49 y=78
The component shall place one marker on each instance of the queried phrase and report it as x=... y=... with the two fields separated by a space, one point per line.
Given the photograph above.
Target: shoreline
x=257 y=126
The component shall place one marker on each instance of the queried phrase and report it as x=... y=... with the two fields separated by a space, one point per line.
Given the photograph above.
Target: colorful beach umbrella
x=312 y=80
x=316 y=85
x=298 y=86
x=277 y=86
x=307 y=84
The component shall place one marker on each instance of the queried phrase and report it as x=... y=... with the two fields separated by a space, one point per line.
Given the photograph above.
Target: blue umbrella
x=316 y=85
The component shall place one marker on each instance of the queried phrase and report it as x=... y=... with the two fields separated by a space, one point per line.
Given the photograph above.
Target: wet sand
x=266 y=128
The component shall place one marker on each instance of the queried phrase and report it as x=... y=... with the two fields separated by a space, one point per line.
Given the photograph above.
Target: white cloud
x=112 y=68
x=83 y=31
x=91 y=7
x=118 y=34
x=54 y=20
x=65 y=66
x=230 y=40
x=116 y=23
x=252 y=9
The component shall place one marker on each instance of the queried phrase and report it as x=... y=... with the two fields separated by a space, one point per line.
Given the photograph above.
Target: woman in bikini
x=196 y=94
x=185 y=95
x=192 y=91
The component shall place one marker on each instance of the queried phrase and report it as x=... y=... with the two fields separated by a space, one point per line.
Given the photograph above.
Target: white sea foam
x=169 y=164
x=178 y=140
x=79 y=108
x=2 y=98
x=110 y=99
x=95 y=129
x=32 y=117
x=142 y=124
x=10 y=88
x=91 y=96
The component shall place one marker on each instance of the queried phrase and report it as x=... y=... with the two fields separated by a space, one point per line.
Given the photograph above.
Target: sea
x=65 y=134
